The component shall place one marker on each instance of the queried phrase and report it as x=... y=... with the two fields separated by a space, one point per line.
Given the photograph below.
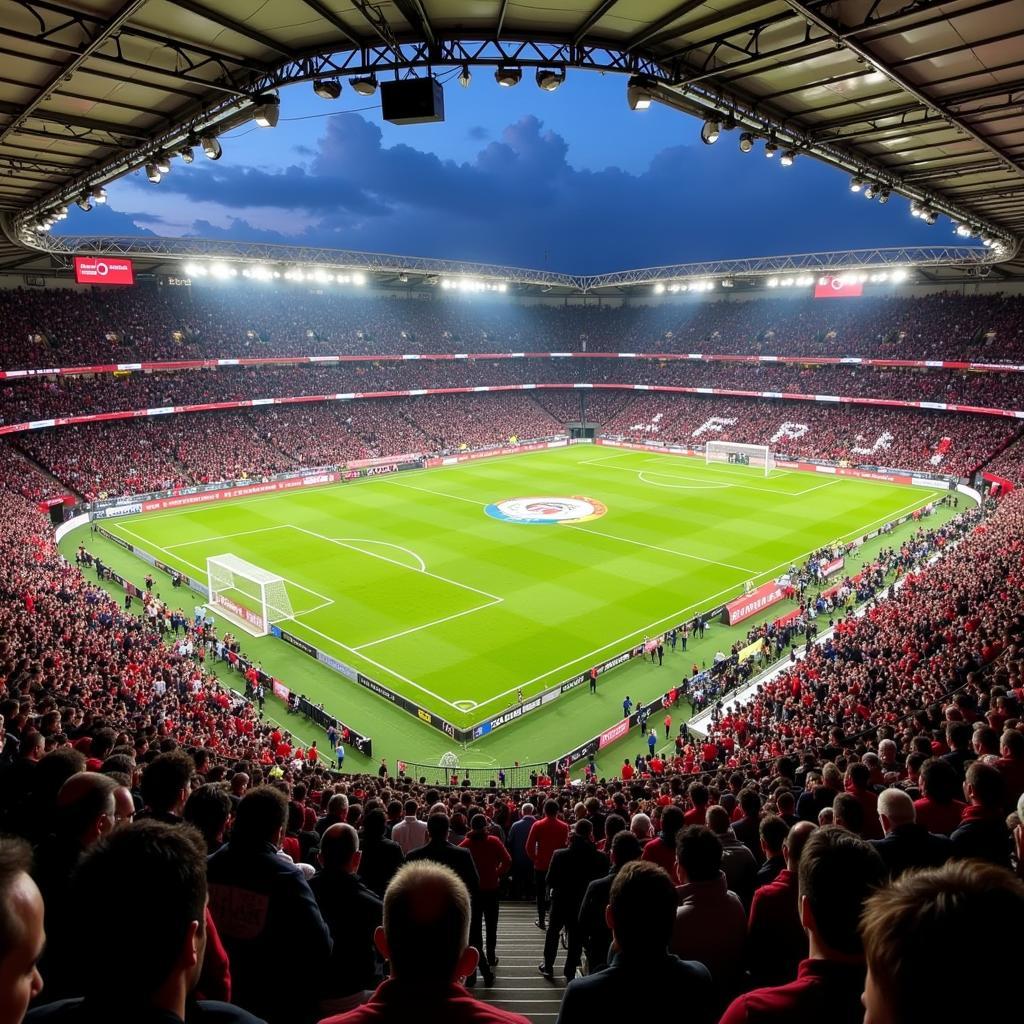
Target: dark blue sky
x=572 y=181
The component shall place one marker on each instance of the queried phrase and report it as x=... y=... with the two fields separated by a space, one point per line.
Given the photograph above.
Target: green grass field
x=407 y=578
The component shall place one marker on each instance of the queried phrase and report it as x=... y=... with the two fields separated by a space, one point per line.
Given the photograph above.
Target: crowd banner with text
x=756 y=601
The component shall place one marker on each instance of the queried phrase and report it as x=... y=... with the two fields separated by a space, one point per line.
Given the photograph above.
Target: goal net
x=757 y=456
x=246 y=595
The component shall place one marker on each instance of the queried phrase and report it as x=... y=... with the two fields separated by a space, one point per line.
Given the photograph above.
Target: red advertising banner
x=834 y=566
x=837 y=288
x=616 y=732
x=752 y=603
x=104 y=270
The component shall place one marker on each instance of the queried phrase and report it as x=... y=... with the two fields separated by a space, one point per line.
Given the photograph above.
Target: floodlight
x=787 y=158
x=187 y=154
x=746 y=142
x=710 y=131
x=883 y=196
x=364 y=86
x=267 y=111
x=163 y=163
x=856 y=183
x=870 y=190
x=465 y=77
x=507 y=77
x=211 y=147
x=770 y=149
x=638 y=93
x=327 y=88
x=549 y=80
x=83 y=202
x=153 y=173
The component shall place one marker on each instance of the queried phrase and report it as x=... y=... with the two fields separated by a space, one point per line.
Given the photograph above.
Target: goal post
x=757 y=456
x=246 y=595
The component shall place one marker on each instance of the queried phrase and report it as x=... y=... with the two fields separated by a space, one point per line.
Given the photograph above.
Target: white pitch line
x=384 y=558
x=817 y=487
x=643 y=475
x=694 y=479
x=654 y=547
x=440 y=494
x=426 y=625
x=223 y=536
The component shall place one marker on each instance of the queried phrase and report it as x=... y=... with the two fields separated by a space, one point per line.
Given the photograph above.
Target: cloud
x=478 y=133
x=102 y=220
x=521 y=201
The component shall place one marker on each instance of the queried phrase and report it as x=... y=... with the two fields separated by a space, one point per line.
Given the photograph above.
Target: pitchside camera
x=412 y=101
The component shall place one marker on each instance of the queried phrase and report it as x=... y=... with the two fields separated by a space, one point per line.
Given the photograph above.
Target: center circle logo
x=547 y=511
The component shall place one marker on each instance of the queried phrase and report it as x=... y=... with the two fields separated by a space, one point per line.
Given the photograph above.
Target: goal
x=246 y=595
x=753 y=455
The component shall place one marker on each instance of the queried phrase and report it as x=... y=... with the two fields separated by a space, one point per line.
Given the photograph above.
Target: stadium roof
x=923 y=97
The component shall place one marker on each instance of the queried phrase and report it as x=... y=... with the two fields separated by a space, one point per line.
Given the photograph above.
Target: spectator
x=353 y=914
x=209 y=809
x=266 y=913
x=410 y=833
x=425 y=938
x=572 y=869
x=380 y=858
x=711 y=924
x=748 y=827
x=522 y=865
x=595 y=935
x=641 y=917
x=162 y=868
x=165 y=787
x=937 y=809
x=858 y=785
x=926 y=931
x=906 y=844
x=738 y=862
x=773 y=831
x=21 y=931
x=776 y=941
x=983 y=833
x=337 y=813
x=838 y=872
x=1010 y=765
x=492 y=862
x=662 y=849
x=546 y=835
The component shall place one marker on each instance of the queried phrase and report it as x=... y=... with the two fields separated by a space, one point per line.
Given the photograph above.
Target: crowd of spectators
x=78 y=327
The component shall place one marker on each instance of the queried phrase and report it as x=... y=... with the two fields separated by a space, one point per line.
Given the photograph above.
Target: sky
x=571 y=181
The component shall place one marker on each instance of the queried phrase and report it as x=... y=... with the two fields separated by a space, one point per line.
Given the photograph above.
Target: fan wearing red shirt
x=698 y=813
x=662 y=849
x=838 y=872
x=546 y=835
x=492 y=862
x=628 y=771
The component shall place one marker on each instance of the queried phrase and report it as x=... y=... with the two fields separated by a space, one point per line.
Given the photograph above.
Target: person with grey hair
x=906 y=844
x=640 y=825
x=337 y=814
x=888 y=756
x=425 y=939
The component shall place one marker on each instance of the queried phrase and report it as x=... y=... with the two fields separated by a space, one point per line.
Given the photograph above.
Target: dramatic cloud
x=521 y=201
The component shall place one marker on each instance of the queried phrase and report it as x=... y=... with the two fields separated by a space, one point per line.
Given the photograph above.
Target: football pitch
x=457 y=587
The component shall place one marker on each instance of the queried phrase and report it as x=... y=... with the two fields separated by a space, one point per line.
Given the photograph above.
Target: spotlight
x=211 y=147
x=963 y=231
x=60 y=213
x=507 y=77
x=99 y=194
x=153 y=173
x=856 y=184
x=187 y=154
x=883 y=196
x=746 y=142
x=770 y=149
x=870 y=191
x=638 y=93
x=787 y=158
x=327 y=88
x=549 y=80
x=709 y=132
x=82 y=202
x=364 y=86
x=929 y=216
x=465 y=77
x=163 y=163
x=267 y=111
x=915 y=209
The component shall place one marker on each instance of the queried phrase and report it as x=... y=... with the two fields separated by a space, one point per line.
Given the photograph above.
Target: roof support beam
x=332 y=19
x=231 y=25
x=670 y=19
x=593 y=18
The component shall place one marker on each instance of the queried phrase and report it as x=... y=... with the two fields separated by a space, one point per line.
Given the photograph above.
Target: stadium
x=381 y=619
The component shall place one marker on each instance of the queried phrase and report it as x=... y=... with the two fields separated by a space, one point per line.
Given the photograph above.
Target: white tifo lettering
x=714 y=425
x=882 y=442
x=792 y=431
x=651 y=427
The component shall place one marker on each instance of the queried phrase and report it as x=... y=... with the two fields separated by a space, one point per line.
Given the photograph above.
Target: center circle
x=546 y=511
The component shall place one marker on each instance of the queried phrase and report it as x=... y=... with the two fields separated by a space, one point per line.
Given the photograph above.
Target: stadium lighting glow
x=222 y=271
x=194 y=270
x=258 y=273
x=163 y=163
x=787 y=158
x=465 y=77
x=99 y=194
x=898 y=275
x=327 y=88
x=772 y=282
x=746 y=142
x=364 y=86
x=659 y=289
x=61 y=213
x=267 y=111
x=929 y=216
x=507 y=77
x=915 y=209
x=358 y=278
x=963 y=231
x=469 y=284
x=212 y=148
x=638 y=94
x=153 y=174
x=710 y=132
x=770 y=149
x=550 y=80
x=856 y=183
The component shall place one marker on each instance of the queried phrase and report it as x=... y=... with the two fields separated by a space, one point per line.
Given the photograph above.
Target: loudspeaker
x=412 y=101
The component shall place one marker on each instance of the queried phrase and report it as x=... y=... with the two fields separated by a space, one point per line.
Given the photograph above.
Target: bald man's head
x=795 y=842
x=339 y=848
